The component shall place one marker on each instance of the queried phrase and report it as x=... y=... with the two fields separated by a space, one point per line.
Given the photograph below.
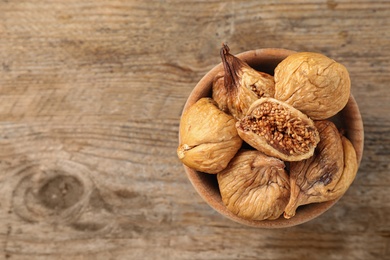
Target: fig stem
x=230 y=78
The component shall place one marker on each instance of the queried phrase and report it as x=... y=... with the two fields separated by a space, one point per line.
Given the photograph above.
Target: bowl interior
x=349 y=119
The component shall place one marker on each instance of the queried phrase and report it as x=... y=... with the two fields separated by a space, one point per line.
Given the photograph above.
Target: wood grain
x=90 y=98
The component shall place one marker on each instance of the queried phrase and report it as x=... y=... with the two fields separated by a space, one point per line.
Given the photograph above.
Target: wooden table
x=90 y=99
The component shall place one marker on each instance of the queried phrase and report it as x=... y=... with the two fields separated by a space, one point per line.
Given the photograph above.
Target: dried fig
x=240 y=85
x=350 y=169
x=254 y=186
x=313 y=83
x=279 y=130
x=209 y=139
x=326 y=175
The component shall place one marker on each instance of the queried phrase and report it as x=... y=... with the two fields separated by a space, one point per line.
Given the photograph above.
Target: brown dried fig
x=254 y=186
x=209 y=139
x=240 y=85
x=279 y=130
x=313 y=83
x=326 y=175
x=350 y=169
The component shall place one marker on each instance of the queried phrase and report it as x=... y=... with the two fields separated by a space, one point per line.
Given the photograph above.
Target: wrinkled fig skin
x=239 y=85
x=350 y=169
x=279 y=130
x=326 y=175
x=313 y=83
x=219 y=92
x=209 y=139
x=254 y=186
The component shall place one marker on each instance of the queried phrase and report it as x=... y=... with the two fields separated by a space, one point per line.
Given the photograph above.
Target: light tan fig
x=240 y=85
x=254 y=186
x=313 y=83
x=326 y=175
x=279 y=130
x=209 y=139
x=350 y=169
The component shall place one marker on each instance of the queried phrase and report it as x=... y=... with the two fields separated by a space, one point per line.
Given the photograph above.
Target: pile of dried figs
x=270 y=139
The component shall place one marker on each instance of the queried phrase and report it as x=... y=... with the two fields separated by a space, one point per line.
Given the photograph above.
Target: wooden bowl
x=206 y=185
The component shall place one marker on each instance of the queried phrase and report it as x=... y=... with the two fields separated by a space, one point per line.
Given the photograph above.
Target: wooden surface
x=90 y=98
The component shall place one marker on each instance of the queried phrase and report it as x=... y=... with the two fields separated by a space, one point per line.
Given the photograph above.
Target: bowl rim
x=305 y=213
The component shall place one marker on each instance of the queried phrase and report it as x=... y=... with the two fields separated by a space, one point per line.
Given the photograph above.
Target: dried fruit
x=209 y=139
x=326 y=175
x=350 y=169
x=240 y=86
x=313 y=83
x=254 y=186
x=279 y=130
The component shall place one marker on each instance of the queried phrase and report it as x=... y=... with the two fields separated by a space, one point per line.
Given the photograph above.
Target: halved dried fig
x=240 y=85
x=209 y=139
x=254 y=186
x=313 y=83
x=326 y=175
x=279 y=130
